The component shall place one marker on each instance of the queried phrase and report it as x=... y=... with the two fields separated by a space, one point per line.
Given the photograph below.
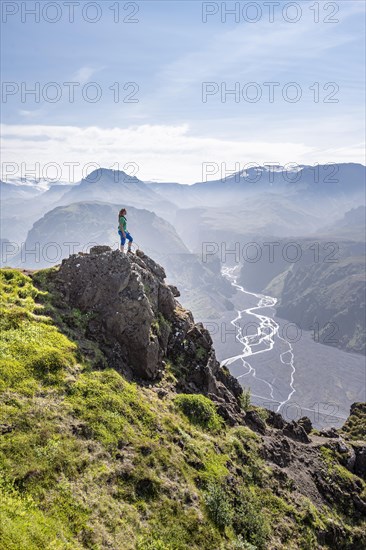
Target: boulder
x=296 y=431
x=305 y=422
x=275 y=420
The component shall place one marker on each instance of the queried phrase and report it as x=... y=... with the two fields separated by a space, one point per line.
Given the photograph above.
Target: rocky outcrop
x=139 y=325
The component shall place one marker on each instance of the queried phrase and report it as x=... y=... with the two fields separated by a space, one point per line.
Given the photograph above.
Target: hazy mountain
x=22 y=206
x=78 y=226
x=115 y=186
x=328 y=180
x=265 y=214
x=350 y=226
x=12 y=191
x=19 y=213
x=326 y=298
x=259 y=200
x=320 y=285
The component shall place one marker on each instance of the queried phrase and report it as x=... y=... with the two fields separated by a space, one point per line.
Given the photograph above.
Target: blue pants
x=123 y=239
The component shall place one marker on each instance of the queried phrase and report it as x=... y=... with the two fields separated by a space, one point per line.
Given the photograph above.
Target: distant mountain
x=351 y=226
x=20 y=209
x=260 y=200
x=322 y=180
x=23 y=207
x=332 y=177
x=319 y=284
x=83 y=224
x=263 y=201
x=328 y=299
x=115 y=186
x=12 y=191
x=265 y=214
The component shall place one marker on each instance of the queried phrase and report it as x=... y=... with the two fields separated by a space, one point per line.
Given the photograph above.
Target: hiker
x=122 y=231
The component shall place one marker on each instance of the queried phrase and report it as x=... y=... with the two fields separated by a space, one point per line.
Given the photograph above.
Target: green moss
x=331 y=459
x=24 y=526
x=31 y=347
x=201 y=353
x=355 y=426
x=111 y=407
x=160 y=325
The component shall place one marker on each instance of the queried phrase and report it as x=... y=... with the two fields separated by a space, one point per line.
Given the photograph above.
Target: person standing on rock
x=122 y=231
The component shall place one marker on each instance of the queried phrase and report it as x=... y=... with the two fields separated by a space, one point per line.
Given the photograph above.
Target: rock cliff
x=139 y=324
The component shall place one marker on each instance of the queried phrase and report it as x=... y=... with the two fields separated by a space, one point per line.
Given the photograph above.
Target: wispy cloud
x=31 y=114
x=246 y=50
x=166 y=153
x=84 y=74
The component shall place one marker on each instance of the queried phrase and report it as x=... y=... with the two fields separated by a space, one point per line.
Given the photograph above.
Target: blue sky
x=169 y=53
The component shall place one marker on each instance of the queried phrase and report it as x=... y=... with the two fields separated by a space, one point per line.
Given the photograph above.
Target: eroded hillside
x=120 y=430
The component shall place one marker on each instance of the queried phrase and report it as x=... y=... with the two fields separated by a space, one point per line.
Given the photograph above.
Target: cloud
x=30 y=114
x=84 y=74
x=162 y=152
x=247 y=50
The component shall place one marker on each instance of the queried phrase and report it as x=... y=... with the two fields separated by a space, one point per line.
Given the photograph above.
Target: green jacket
x=122 y=223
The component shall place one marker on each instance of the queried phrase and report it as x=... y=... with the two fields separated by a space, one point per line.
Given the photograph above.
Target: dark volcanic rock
x=138 y=323
x=360 y=460
x=296 y=431
x=276 y=420
x=305 y=422
x=255 y=422
x=330 y=432
x=100 y=249
x=278 y=450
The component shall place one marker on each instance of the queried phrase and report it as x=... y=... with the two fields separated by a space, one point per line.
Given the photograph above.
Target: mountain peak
x=115 y=176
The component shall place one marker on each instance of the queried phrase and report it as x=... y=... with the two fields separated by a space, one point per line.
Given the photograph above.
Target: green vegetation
x=339 y=478
x=245 y=399
x=200 y=410
x=90 y=460
x=160 y=325
x=218 y=506
x=355 y=426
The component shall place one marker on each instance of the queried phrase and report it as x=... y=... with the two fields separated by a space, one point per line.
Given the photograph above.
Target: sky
x=163 y=88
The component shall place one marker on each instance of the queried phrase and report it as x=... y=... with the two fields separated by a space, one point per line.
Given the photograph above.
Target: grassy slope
x=89 y=460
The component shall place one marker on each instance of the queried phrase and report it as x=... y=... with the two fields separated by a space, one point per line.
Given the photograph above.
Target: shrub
x=240 y=544
x=157 y=544
x=218 y=506
x=200 y=410
x=262 y=413
x=249 y=521
x=245 y=399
